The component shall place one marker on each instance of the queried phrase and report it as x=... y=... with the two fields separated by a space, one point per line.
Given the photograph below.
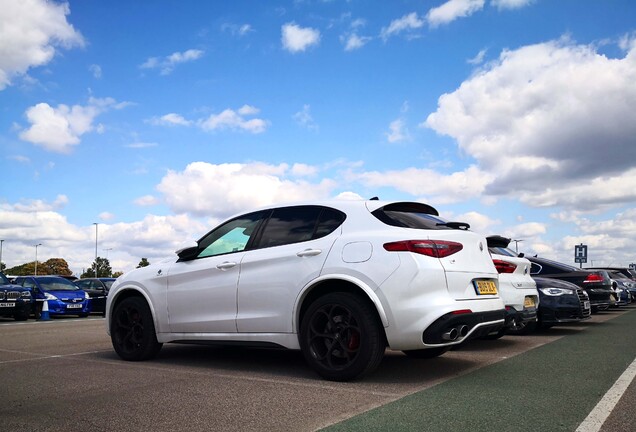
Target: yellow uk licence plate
x=528 y=302
x=484 y=287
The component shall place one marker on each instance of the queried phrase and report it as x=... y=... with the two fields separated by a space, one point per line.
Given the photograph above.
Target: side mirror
x=188 y=252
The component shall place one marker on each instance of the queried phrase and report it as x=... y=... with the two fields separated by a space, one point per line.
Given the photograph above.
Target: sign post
x=580 y=254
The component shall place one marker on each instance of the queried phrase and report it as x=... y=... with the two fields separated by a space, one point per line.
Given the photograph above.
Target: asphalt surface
x=62 y=375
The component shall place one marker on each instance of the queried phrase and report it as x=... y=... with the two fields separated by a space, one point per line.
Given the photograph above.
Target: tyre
x=497 y=335
x=341 y=337
x=22 y=316
x=426 y=353
x=523 y=328
x=132 y=330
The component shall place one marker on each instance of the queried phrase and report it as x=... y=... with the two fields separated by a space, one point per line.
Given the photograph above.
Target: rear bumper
x=452 y=328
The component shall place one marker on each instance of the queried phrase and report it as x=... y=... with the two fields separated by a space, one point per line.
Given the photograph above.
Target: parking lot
x=62 y=374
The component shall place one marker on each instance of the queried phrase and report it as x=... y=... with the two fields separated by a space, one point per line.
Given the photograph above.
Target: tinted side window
x=233 y=236
x=289 y=225
x=329 y=220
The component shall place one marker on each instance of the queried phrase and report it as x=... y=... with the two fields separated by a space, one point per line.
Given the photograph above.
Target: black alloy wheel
x=341 y=337
x=133 y=331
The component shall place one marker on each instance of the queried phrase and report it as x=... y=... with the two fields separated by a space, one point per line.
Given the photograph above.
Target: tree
x=53 y=266
x=100 y=268
x=117 y=274
x=56 y=266
x=143 y=263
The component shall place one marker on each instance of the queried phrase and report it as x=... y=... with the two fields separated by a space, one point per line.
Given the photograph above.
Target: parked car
x=561 y=302
x=15 y=301
x=62 y=295
x=339 y=280
x=596 y=283
x=621 y=286
x=516 y=287
x=97 y=289
x=626 y=271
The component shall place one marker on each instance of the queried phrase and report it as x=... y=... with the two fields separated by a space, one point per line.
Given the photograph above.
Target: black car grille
x=583 y=298
x=9 y=295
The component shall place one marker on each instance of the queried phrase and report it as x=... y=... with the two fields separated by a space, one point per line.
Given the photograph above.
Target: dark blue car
x=63 y=296
x=15 y=301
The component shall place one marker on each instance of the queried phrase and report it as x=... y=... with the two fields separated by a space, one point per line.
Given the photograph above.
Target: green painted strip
x=550 y=388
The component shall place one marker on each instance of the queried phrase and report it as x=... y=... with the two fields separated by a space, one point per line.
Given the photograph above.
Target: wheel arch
x=125 y=293
x=340 y=284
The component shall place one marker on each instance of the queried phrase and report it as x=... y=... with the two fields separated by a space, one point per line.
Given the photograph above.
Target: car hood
x=554 y=283
x=66 y=295
x=13 y=287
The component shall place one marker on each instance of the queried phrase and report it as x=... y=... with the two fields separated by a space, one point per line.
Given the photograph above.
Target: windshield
x=4 y=280
x=57 y=284
x=413 y=215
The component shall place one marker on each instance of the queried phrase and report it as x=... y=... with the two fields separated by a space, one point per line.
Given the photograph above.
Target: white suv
x=516 y=287
x=339 y=280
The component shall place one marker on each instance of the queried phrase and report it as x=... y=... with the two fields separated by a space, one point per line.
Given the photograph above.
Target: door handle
x=226 y=265
x=309 y=252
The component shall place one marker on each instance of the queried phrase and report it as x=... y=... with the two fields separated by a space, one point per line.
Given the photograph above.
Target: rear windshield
x=412 y=215
x=503 y=251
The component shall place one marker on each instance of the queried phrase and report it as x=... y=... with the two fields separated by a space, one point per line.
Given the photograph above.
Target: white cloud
x=139 y=145
x=295 y=38
x=59 y=129
x=452 y=10
x=230 y=119
x=147 y=201
x=434 y=186
x=541 y=118
x=398 y=131
x=106 y=216
x=511 y=4
x=479 y=58
x=236 y=29
x=353 y=41
x=304 y=118
x=206 y=189
x=167 y=64
x=96 y=70
x=171 y=119
x=30 y=32
x=408 y=23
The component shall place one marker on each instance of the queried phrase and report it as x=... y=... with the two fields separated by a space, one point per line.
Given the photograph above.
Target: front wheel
x=133 y=330
x=341 y=337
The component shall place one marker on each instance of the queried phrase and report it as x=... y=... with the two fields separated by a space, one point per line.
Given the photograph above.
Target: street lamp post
x=36 y=258
x=517 y=245
x=96 y=224
x=1 y=241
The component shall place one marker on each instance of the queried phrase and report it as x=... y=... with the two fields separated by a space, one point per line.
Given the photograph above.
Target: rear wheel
x=426 y=353
x=341 y=337
x=133 y=330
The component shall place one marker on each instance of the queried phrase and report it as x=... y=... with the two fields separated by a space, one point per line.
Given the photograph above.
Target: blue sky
x=156 y=120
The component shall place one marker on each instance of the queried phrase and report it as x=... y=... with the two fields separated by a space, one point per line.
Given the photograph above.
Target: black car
x=596 y=283
x=15 y=301
x=561 y=302
x=97 y=289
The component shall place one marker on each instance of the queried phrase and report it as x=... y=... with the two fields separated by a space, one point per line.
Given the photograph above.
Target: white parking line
x=594 y=421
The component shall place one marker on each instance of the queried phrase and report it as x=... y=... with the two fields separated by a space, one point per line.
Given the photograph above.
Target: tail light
x=504 y=267
x=432 y=248
x=594 y=278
